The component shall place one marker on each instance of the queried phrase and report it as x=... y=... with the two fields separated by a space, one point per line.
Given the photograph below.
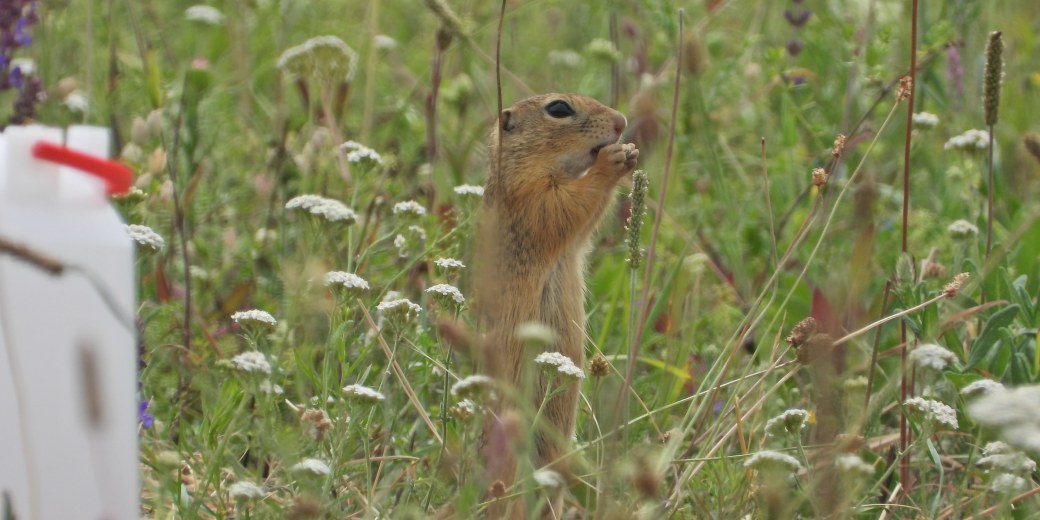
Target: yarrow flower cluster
x=790 y=421
x=852 y=464
x=602 y=49
x=449 y=264
x=1008 y=483
x=409 y=206
x=925 y=120
x=314 y=466
x=981 y=387
x=325 y=56
x=363 y=394
x=933 y=412
x=768 y=460
x=357 y=152
x=205 y=14
x=1014 y=412
x=961 y=229
x=463 y=410
x=469 y=189
x=346 y=280
x=472 y=386
x=251 y=361
x=329 y=209
x=561 y=363
x=245 y=489
x=256 y=315
x=971 y=140
x=399 y=308
x=145 y=236
x=930 y=355
x=1001 y=457
x=447 y=294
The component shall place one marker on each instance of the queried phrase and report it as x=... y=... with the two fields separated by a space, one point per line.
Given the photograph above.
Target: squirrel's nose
x=619 y=123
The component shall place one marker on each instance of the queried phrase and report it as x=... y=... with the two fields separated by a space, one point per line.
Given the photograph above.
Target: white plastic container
x=68 y=360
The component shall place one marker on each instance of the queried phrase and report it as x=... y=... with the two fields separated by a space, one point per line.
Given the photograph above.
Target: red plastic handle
x=116 y=175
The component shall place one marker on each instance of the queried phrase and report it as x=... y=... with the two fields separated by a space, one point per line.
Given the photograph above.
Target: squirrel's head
x=559 y=132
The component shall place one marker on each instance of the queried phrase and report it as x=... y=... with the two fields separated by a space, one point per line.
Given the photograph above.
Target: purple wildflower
x=797 y=18
x=16 y=16
x=143 y=416
x=794 y=47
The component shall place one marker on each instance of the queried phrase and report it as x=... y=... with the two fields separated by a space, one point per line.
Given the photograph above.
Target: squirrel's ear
x=506 y=120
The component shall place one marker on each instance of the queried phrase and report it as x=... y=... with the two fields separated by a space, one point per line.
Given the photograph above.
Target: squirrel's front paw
x=618 y=159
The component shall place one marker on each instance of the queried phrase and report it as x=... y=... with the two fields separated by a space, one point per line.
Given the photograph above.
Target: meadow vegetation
x=312 y=172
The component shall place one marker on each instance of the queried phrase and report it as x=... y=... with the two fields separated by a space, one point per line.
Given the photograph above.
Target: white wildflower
x=251 y=361
x=997 y=448
x=772 y=460
x=564 y=58
x=417 y=232
x=305 y=201
x=267 y=387
x=402 y=307
x=315 y=466
x=335 y=211
x=472 y=386
x=384 y=42
x=205 y=14
x=535 y=333
x=245 y=489
x=1012 y=462
x=469 y=189
x=253 y=315
x=971 y=140
x=930 y=355
x=548 y=478
x=464 y=409
x=1015 y=413
x=603 y=49
x=347 y=280
x=357 y=152
x=980 y=387
x=329 y=209
x=570 y=370
x=925 y=120
x=325 y=56
x=363 y=394
x=145 y=236
x=933 y=411
x=449 y=264
x=447 y=292
x=849 y=463
x=561 y=363
x=962 y=229
x=790 y=421
x=409 y=206
x=77 y=101
x=401 y=243
x=1008 y=483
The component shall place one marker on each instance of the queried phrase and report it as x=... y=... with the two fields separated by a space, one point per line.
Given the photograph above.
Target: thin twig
x=887 y=319
x=904 y=431
x=401 y=379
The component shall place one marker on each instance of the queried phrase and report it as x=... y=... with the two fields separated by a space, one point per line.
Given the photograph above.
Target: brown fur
x=541 y=204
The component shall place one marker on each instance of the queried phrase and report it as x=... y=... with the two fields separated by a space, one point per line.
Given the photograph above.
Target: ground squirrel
x=554 y=162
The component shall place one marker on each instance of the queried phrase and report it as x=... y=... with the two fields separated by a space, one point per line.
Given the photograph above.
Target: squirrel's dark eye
x=559 y=109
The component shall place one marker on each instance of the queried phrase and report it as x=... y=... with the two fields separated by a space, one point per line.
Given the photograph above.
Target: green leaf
x=981 y=348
